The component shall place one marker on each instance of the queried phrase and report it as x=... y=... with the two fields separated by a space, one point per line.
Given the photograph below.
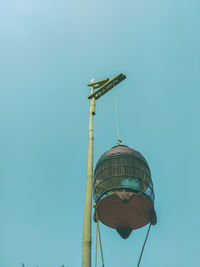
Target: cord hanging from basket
x=143 y=246
x=98 y=235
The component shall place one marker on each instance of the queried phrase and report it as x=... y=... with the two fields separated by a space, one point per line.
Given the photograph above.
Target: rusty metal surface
x=122 y=168
x=123 y=190
x=126 y=210
x=122 y=149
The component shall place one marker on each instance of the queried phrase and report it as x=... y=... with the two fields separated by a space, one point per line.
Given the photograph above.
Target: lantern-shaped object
x=123 y=190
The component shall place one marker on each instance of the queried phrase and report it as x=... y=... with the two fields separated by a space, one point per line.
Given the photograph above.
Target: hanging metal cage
x=122 y=169
x=122 y=176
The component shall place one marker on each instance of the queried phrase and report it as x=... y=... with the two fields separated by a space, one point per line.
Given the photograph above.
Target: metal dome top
x=122 y=149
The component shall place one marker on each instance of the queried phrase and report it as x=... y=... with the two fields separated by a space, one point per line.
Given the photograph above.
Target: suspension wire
x=96 y=246
x=100 y=116
x=100 y=240
x=117 y=120
x=96 y=243
x=144 y=245
x=97 y=224
x=99 y=235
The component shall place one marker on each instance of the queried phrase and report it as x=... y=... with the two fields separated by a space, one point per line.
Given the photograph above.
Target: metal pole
x=103 y=87
x=86 y=243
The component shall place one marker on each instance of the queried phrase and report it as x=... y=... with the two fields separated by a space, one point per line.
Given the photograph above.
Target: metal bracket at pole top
x=105 y=85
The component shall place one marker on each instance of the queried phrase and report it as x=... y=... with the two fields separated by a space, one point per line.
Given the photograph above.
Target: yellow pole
x=86 y=243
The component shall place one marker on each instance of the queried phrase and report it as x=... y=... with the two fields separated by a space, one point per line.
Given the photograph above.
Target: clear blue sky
x=49 y=51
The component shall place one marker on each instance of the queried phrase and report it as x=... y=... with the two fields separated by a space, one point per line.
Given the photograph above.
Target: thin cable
x=144 y=245
x=117 y=120
x=100 y=115
x=100 y=240
x=99 y=234
x=96 y=246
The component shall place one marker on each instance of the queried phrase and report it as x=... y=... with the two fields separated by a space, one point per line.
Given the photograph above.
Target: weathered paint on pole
x=87 y=240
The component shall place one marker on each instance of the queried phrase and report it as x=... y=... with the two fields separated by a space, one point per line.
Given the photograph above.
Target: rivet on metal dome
x=123 y=190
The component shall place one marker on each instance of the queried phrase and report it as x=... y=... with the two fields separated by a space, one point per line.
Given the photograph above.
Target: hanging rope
x=100 y=115
x=99 y=235
x=144 y=245
x=117 y=121
x=96 y=246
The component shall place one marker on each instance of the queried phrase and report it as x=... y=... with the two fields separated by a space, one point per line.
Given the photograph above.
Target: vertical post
x=86 y=243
